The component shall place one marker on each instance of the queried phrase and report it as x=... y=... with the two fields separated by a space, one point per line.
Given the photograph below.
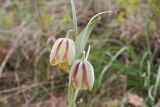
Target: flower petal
x=54 y=50
x=71 y=51
x=84 y=77
x=74 y=74
x=90 y=75
x=79 y=76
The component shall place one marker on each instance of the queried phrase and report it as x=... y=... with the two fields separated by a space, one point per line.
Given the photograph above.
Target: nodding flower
x=62 y=53
x=82 y=75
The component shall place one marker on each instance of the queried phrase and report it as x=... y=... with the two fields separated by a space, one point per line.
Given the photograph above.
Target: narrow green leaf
x=84 y=35
x=75 y=28
x=82 y=39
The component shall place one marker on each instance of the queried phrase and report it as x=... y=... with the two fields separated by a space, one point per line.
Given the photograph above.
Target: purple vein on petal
x=84 y=76
x=57 y=49
x=66 y=50
x=75 y=70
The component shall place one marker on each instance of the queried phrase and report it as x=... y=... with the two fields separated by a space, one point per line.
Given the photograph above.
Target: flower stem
x=70 y=96
x=68 y=33
x=70 y=91
x=88 y=52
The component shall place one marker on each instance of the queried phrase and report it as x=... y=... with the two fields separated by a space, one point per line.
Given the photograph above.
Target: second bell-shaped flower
x=62 y=53
x=82 y=75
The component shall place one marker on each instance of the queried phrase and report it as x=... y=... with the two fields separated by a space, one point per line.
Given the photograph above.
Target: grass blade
x=110 y=63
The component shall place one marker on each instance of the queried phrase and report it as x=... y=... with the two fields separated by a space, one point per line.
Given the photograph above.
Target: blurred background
x=125 y=52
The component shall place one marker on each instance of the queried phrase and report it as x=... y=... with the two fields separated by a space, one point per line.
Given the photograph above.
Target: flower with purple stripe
x=82 y=75
x=62 y=53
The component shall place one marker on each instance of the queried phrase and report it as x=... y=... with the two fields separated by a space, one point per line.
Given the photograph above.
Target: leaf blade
x=84 y=35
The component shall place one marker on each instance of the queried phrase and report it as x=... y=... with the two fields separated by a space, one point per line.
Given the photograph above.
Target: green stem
x=70 y=91
x=88 y=52
x=70 y=96
x=68 y=33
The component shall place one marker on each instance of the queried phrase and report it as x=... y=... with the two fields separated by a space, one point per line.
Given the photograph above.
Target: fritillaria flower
x=82 y=75
x=62 y=53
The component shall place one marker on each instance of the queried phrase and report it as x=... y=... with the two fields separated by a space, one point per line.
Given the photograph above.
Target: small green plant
x=70 y=56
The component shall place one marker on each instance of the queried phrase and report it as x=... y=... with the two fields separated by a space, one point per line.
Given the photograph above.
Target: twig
x=12 y=49
x=18 y=90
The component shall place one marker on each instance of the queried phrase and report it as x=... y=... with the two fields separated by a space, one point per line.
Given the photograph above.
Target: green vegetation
x=125 y=52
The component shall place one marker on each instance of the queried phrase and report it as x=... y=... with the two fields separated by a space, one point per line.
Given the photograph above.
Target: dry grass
x=27 y=32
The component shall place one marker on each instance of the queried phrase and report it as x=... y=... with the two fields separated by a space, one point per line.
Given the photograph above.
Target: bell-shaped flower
x=62 y=53
x=82 y=75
